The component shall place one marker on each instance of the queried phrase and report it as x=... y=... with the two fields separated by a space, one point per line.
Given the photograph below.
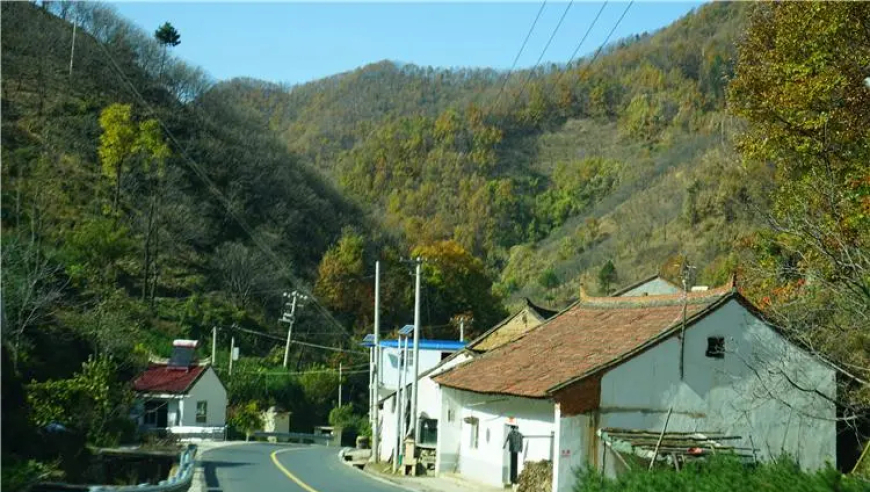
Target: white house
x=633 y=363
x=181 y=396
x=429 y=393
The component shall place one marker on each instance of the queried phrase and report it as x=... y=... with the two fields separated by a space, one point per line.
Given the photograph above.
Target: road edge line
x=287 y=472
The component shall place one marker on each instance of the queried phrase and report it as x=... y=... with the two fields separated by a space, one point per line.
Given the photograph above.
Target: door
x=512 y=452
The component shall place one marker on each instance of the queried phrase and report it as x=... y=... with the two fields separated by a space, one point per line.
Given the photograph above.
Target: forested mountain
x=545 y=175
x=143 y=202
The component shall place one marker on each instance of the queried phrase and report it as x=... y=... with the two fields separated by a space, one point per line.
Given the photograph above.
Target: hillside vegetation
x=624 y=159
x=143 y=202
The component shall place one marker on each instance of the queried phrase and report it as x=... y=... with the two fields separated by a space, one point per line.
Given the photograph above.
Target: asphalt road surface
x=266 y=467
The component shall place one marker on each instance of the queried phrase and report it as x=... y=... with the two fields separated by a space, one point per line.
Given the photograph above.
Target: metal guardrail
x=212 y=433
x=296 y=436
x=178 y=482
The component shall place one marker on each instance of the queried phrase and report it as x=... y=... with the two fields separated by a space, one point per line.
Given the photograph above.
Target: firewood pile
x=537 y=476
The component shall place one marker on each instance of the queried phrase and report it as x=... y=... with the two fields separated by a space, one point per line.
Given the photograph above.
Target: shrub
x=722 y=474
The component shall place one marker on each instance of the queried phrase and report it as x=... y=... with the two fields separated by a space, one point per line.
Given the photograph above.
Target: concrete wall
x=210 y=389
x=489 y=462
x=746 y=393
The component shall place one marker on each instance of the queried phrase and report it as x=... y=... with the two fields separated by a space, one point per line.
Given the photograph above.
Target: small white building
x=634 y=363
x=181 y=396
x=429 y=392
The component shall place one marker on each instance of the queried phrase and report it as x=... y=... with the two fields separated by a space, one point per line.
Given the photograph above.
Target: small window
x=715 y=347
x=475 y=433
x=450 y=415
x=201 y=412
x=151 y=408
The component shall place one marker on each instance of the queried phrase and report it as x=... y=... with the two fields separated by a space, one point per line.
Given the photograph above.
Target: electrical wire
x=583 y=39
x=544 y=51
x=520 y=52
x=603 y=44
x=197 y=169
x=295 y=342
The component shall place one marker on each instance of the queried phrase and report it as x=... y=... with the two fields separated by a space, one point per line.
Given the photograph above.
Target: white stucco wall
x=489 y=462
x=210 y=389
x=428 y=401
x=388 y=416
x=745 y=393
x=573 y=437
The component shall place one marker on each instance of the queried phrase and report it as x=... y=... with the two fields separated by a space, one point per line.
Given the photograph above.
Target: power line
x=520 y=52
x=296 y=342
x=197 y=169
x=603 y=44
x=546 y=47
x=583 y=39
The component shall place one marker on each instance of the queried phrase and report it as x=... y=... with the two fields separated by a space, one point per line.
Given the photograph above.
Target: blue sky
x=299 y=42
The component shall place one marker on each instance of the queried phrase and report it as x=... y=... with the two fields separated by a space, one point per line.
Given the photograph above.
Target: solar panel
x=406 y=330
x=181 y=357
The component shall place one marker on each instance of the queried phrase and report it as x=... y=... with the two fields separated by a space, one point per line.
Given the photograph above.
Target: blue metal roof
x=442 y=345
x=368 y=341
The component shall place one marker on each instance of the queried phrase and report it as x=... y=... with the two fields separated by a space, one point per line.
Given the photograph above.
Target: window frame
x=715 y=347
x=201 y=412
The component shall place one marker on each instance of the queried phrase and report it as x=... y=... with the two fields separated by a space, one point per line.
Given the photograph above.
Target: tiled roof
x=161 y=378
x=589 y=335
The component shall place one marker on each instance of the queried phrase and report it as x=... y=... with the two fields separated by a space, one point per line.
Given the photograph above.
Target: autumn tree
x=800 y=84
x=456 y=283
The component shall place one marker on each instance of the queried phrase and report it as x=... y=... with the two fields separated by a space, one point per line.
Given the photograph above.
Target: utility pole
x=232 y=352
x=400 y=406
x=339 y=384
x=214 y=345
x=416 y=373
x=290 y=318
x=72 y=51
x=377 y=357
x=685 y=274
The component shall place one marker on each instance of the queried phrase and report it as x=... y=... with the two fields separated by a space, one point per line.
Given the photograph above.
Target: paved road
x=291 y=468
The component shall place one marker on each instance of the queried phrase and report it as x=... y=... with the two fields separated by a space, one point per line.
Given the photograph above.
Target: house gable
x=650 y=286
x=512 y=327
x=767 y=390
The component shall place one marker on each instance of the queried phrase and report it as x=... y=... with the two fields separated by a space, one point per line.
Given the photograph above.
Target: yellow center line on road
x=287 y=472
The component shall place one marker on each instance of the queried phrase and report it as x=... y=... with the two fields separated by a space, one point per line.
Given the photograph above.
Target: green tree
x=116 y=144
x=607 y=277
x=93 y=402
x=168 y=37
x=246 y=418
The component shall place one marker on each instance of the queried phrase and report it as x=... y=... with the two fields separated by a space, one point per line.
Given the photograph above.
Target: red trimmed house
x=701 y=362
x=181 y=396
